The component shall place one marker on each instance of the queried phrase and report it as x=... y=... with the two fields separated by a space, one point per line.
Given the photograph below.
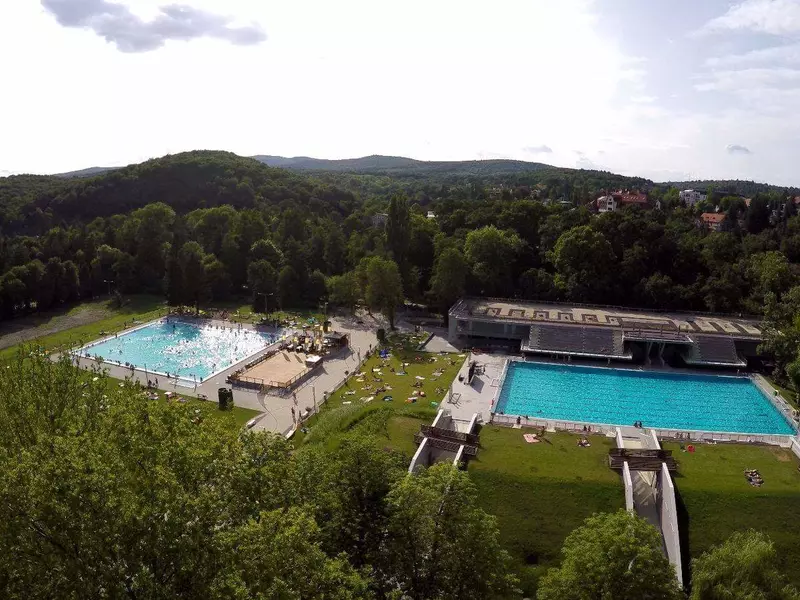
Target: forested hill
x=732 y=186
x=401 y=166
x=89 y=172
x=207 y=225
x=185 y=182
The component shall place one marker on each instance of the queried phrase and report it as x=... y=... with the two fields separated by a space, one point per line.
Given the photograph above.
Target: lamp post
x=266 y=295
x=109 y=282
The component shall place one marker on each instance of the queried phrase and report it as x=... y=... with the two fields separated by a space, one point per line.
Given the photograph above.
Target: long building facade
x=602 y=332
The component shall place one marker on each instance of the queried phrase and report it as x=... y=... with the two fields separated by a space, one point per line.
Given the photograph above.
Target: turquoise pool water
x=184 y=349
x=621 y=397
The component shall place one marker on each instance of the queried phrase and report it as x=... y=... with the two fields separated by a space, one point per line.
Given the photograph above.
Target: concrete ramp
x=651 y=493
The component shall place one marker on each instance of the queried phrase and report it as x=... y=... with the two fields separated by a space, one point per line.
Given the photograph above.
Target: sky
x=664 y=89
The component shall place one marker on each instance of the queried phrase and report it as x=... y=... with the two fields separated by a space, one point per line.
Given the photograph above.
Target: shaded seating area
x=714 y=350
x=640 y=459
x=336 y=339
x=575 y=339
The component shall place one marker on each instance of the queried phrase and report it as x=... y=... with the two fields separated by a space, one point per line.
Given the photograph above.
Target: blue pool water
x=183 y=349
x=621 y=397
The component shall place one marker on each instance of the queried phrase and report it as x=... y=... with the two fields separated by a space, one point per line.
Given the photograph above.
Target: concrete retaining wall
x=784 y=441
x=796 y=447
x=421 y=456
x=668 y=510
x=628 y=481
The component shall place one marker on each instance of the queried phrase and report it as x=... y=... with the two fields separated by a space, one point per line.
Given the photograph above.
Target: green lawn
x=347 y=407
x=420 y=364
x=136 y=308
x=541 y=492
x=789 y=395
x=241 y=311
x=400 y=431
x=237 y=418
x=718 y=500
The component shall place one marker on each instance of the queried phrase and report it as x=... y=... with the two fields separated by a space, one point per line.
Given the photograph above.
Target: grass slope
x=347 y=407
x=541 y=492
x=139 y=308
x=208 y=409
x=719 y=501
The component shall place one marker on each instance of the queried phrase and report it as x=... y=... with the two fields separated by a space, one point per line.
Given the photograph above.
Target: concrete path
x=278 y=410
x=478 y=397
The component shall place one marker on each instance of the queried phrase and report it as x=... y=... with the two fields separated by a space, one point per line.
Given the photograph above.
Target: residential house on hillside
x=713 y=220
x=615 y=200
x=379 y=219
x=692 y=197
x=431 y=214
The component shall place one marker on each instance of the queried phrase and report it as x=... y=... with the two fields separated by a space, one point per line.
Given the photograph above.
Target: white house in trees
x=692 y=197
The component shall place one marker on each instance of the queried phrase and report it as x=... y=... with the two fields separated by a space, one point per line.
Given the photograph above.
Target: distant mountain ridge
x=374 y=164
x=88 y=172
x=400 y=165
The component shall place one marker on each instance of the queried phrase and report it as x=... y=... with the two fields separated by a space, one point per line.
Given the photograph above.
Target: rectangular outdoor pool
x=186 y=350
x=622 y=397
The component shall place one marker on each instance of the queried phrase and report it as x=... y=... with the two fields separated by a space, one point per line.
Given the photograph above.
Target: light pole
x=266 y=295
x=109 y=282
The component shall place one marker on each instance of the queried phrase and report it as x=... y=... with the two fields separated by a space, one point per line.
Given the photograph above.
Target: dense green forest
x=206 y=225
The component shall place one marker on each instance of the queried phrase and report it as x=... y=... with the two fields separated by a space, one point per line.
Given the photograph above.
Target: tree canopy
x=615 y=555
x=109 y=494
x=744 y=567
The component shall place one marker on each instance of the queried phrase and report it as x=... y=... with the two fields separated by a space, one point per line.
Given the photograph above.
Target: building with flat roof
x=603 y=332
x=692 y=197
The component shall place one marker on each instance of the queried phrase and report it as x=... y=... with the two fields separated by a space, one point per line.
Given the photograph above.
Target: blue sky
x=663 y=89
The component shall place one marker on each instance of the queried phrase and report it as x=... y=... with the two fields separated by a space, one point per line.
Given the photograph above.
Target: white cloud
x=788 y=54
x=737 y=149
x=748 y=79
x=543 y=149
x=130 y=33
x=776 y=17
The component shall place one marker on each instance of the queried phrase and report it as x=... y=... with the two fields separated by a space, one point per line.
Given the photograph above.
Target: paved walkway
x=310 y=393
x=478 y=397
x=440 y=343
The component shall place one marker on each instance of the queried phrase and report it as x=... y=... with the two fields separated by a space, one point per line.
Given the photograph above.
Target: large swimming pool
x=621 y=397
x=192 y=352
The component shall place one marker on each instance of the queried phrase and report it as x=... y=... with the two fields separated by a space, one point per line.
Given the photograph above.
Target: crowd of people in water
x=185 y=350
